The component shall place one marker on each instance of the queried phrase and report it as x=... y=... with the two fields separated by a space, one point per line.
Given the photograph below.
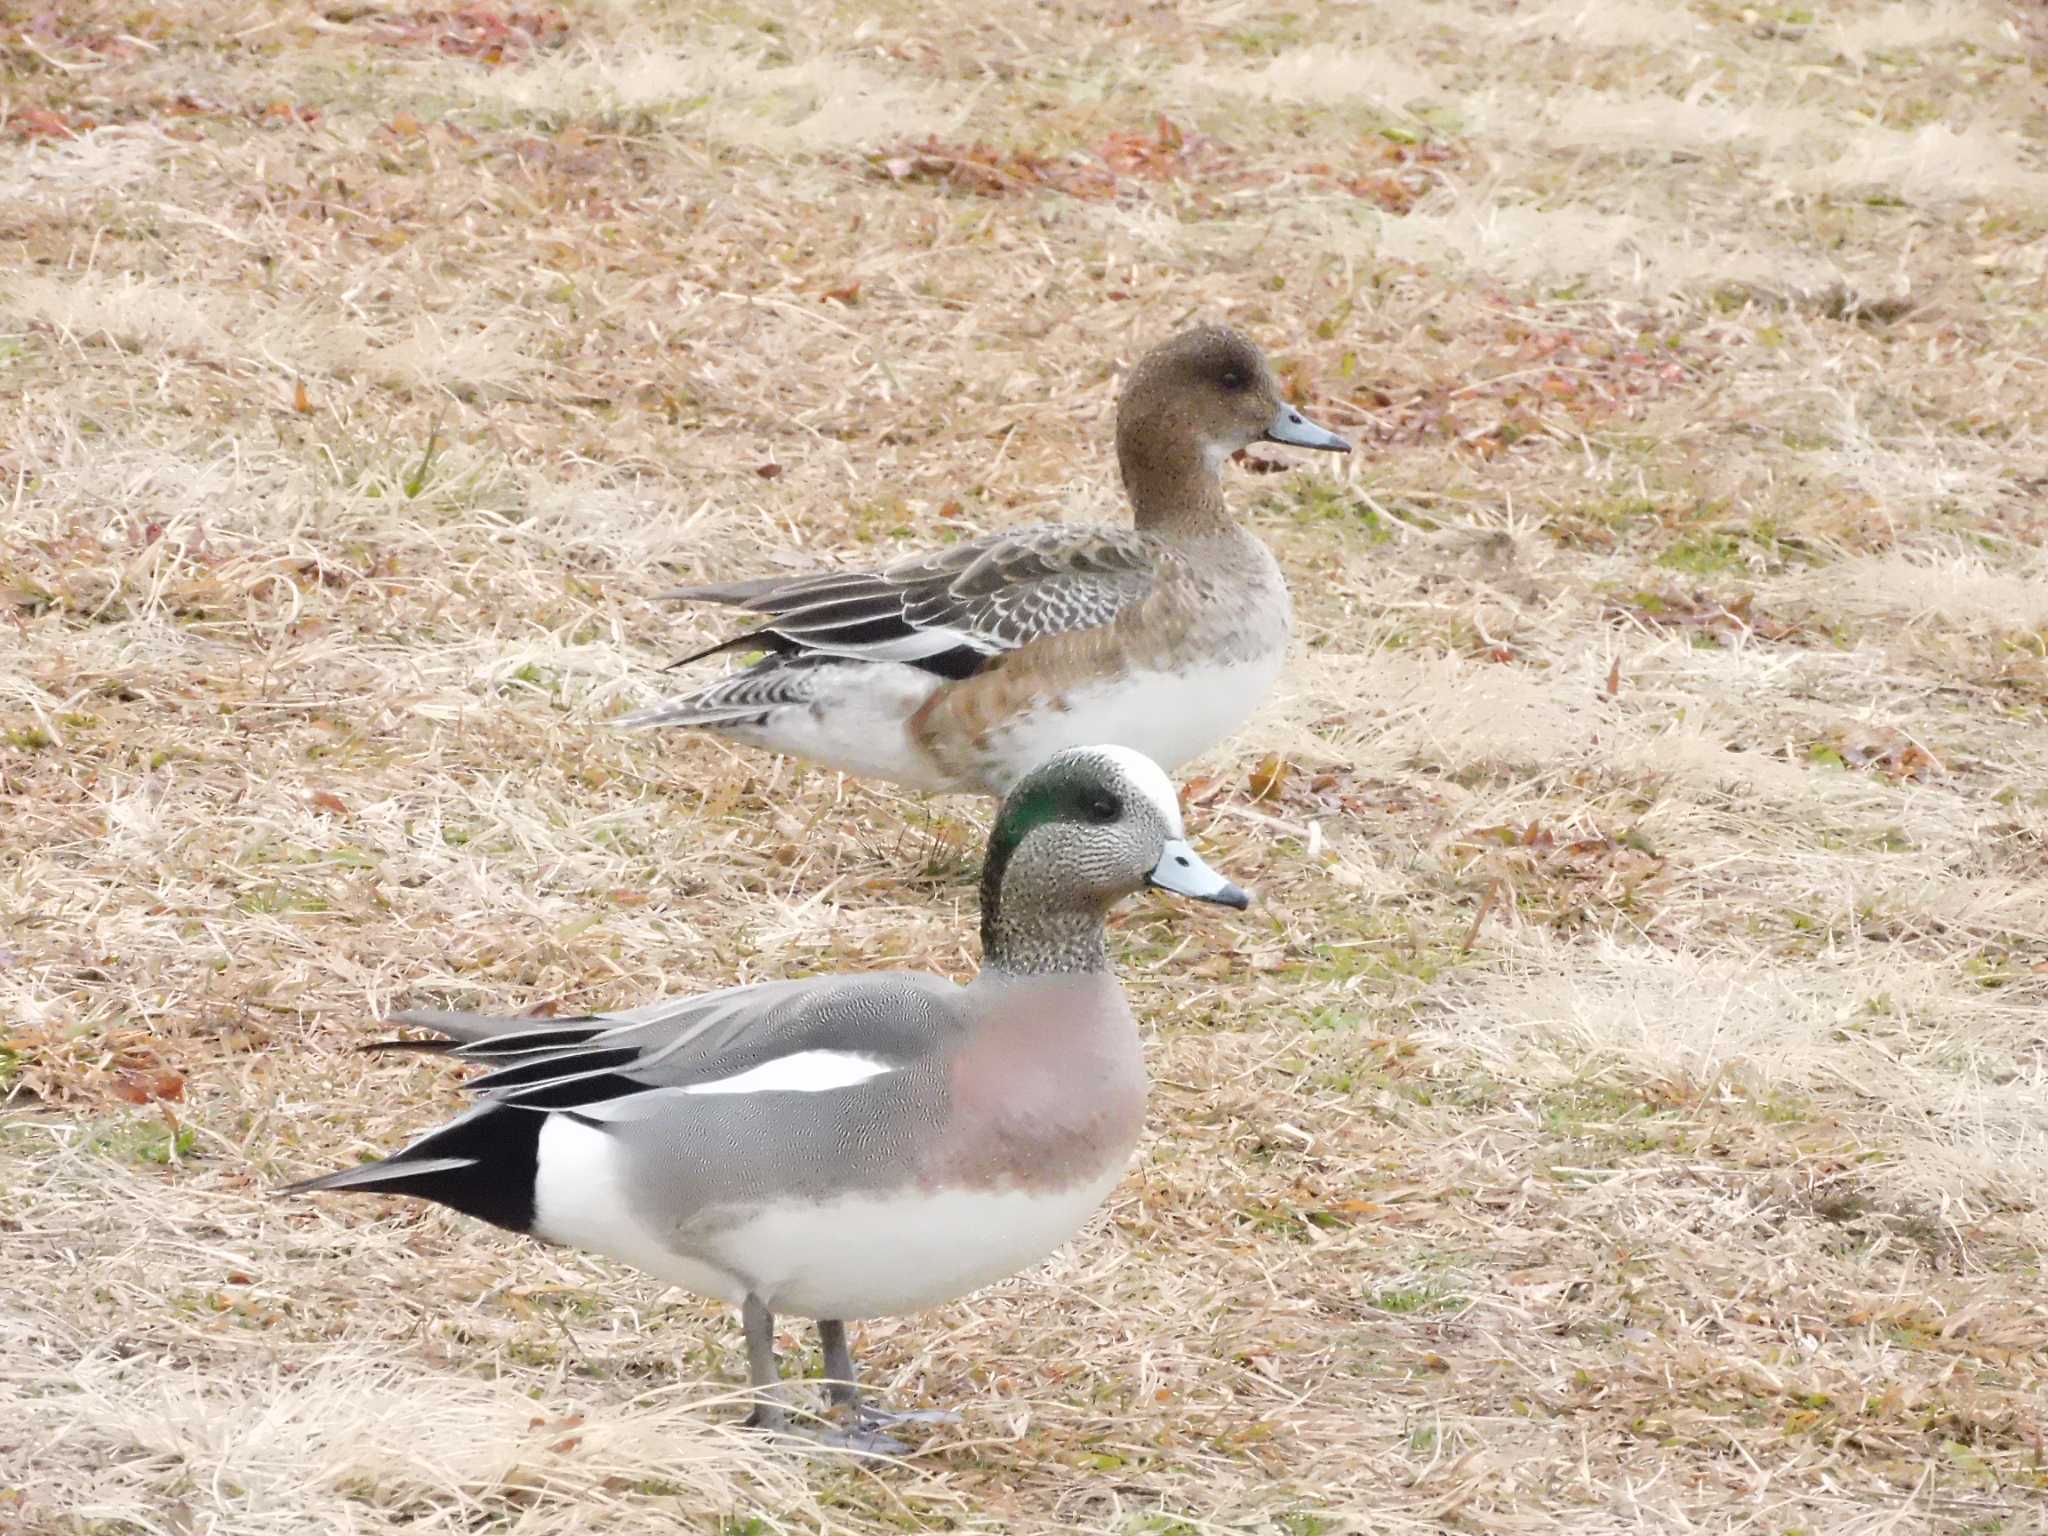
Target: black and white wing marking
x=783 y=1036
x=952 y=611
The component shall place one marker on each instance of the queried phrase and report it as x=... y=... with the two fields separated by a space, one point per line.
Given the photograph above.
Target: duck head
x=1083 y=830
x=1192 y=402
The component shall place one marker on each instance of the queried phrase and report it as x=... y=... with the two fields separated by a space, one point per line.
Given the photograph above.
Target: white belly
x=855 y=722
x=854 y=1257
x=874 y=1257
x=579 y=1200
x=1169 y=716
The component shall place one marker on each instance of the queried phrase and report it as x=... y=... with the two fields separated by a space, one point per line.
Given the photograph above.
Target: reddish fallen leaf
x=769 y=471
x=629 y=898
x=1698 y=610
x=848 y=295
x=1252 y=466
x=490 y=36
x=951 y=509
x=1890 y=751
x=149 y=1086
x=978 y=168
x=327 y=800
x=1162 y=157
x=301 y=401
x=286 y=112
x=405 y=125
x=1395 y=194
x=41 y=123
x=1270 y=774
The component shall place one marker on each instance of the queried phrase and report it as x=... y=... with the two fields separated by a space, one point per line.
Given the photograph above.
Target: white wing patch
x=800 y=1072
x=915 y=646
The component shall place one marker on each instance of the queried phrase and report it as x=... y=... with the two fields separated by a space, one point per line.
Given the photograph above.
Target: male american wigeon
x=841 y=1146
x=961 y=670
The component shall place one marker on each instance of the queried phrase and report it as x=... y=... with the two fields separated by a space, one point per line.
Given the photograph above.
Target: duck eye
x=1233 y=379
x=1103 y=808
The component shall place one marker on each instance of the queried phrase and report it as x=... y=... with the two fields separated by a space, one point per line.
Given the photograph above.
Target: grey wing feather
x=737 y=593
x=991 y=595
x=468 y=1028
x=893 y=1017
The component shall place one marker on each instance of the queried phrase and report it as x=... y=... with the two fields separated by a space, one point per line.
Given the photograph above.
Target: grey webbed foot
x=857 y=1440
x=842 y=1389
x=868 y=1416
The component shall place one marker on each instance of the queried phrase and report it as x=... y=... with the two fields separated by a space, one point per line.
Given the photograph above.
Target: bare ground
x=1624 y=1110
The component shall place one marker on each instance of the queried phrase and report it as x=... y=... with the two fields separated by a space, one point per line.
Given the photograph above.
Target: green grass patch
x=151 y=1142
x=1705 y=554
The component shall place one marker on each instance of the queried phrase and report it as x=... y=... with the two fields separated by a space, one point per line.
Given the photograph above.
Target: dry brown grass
x=1623 y=1113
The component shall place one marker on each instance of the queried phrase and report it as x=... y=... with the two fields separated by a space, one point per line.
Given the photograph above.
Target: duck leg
x=763 y=1375
x=842 y=1387
x=770 y=1414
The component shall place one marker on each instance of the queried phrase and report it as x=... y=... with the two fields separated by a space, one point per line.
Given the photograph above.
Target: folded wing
x=952 y=611
x=784 y=1036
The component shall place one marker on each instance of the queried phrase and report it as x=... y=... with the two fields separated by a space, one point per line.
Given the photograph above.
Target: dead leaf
x=147 y=1087
x=1267 y=778
x=1890 y=751
x=328 y=801
x=1698 y=610
x=40 y=123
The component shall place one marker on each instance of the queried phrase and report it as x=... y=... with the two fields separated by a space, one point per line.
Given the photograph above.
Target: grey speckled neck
x=1042 y=941
x=1034 y=920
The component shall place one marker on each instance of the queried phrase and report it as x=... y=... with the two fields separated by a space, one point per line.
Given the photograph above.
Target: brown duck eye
x=1234 y=379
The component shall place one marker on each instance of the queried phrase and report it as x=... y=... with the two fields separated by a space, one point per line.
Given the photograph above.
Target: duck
x=959 y=671
x=838 y=1147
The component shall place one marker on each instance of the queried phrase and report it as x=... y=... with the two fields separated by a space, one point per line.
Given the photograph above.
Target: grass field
x=1626 y=1108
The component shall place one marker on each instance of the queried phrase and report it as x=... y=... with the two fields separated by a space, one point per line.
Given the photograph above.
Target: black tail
x=748 y=640
x=483 y=1165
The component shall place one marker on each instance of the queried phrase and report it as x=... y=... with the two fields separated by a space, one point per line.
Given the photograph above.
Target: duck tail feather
x=387 y=1174
x=733 y=594
x=459 y=1027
